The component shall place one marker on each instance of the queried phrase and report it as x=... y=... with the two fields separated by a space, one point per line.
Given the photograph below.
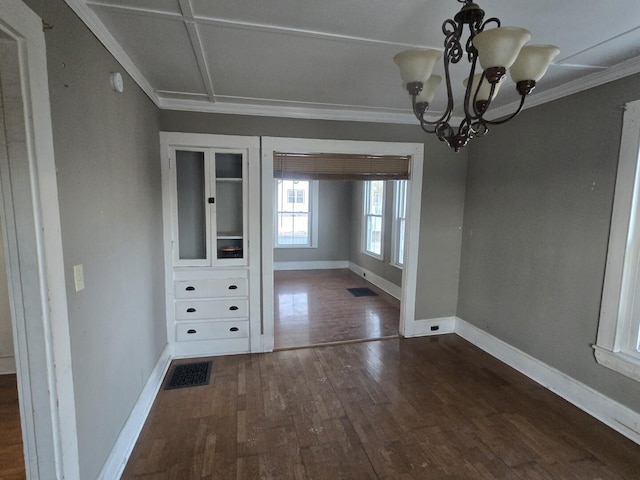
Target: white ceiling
x=333 y=58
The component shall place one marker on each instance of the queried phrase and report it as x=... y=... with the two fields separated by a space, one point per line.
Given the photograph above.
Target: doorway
x=11 y=447
x=320 y=240
x=407 y=291
x=30 y=221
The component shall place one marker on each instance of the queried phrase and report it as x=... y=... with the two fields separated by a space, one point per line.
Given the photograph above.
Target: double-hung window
x=296 y=216
x=399 y=221
x=373 y=224
x=617 y=346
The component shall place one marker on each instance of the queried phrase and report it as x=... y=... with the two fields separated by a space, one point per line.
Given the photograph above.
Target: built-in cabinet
x=211 y=212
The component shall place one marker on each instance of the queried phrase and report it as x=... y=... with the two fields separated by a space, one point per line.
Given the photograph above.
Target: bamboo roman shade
x=329 y=166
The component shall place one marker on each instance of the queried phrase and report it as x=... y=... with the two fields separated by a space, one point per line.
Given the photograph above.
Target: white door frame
x=35 y=268
x=305 y=145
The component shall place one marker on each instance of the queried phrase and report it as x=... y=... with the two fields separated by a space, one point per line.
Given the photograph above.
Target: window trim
x=395 y=245
x=365 y=215
x=622 y=269
x=313 y=215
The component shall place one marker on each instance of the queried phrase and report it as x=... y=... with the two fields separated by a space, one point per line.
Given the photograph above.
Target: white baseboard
x=608 y=411
x=117 y=461
x=382 y=283
x=7 y=365
x=311 y=265
x=433 y=326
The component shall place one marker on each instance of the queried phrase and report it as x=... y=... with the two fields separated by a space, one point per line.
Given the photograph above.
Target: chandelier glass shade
x=495 y=49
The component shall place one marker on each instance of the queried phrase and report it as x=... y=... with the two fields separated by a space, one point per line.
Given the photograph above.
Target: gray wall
x=536 y=225
x=334 y=219
x=106 y=150
x=382 y=267
x=442 y=199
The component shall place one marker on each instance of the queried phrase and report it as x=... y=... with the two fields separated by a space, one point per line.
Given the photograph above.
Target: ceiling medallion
x=496 y=49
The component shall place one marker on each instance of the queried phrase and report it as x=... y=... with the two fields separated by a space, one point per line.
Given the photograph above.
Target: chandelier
x=496 y=49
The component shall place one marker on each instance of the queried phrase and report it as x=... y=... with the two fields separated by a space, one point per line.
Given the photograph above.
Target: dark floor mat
x=189 y=375
x=362 y=292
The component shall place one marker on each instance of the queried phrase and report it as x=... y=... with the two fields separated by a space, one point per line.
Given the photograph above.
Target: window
x=296 y=216
x=373 y=218
x=619 y=329
x=399 y=221
x=296 y=195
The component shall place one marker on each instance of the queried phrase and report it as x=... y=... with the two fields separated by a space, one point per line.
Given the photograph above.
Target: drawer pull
x=233 y=287
x=234 y=329
x=191 y=310
x=233 y=307
x=190 y=288
x=191 y=331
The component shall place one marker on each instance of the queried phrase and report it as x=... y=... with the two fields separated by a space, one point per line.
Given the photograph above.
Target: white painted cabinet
x=212 y=261
x=209 y=188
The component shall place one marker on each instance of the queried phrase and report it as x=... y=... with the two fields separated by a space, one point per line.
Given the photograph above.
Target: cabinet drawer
x=191 y=331
x=219 y=308
x=211 y=287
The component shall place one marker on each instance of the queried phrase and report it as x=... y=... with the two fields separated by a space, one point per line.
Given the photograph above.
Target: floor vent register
x=189 y=375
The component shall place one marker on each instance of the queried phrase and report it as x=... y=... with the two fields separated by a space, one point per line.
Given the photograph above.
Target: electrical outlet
x=78 y=277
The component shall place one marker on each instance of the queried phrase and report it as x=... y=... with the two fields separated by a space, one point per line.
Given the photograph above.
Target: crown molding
x=616 y=72
x=93 y=22
x=307 y=112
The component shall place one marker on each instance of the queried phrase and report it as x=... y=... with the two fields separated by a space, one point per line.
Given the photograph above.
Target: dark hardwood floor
x=314 y=307
x=422 y=408
x=11 y=454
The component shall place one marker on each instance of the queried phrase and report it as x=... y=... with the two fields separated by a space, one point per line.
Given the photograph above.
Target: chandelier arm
x=452 y=46
x=452 y=54
x=486 y=22
x=425 y=126
x=474 y=104
x=470 y=49
x=467 y=94
x=513 y=115
x=420 y=114
x=441 y=120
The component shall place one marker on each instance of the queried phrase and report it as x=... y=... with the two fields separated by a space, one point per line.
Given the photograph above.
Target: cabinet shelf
x=229 y=236
x=229 y=180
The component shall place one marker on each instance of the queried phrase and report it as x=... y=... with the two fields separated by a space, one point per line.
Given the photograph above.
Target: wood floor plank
x=313 y=307
x=424 y=408
x=11 y=452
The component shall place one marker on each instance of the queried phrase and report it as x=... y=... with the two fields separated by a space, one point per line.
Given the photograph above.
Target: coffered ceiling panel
x=610 y=52
x=159 y=47
x=334 y=58
x=404 y=20
x=271 y=65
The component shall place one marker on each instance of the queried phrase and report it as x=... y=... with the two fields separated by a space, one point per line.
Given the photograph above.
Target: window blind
x=327 y=166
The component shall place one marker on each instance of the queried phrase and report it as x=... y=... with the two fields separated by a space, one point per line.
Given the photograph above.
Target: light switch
x=78 y=277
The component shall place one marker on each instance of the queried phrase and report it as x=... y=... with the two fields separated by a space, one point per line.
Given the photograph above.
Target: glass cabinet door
x=209 y=207
x=191 y=193
x=229 y=208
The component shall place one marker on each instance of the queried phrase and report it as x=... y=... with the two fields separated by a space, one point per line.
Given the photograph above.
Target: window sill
x=623 y=363
x=373 y=255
